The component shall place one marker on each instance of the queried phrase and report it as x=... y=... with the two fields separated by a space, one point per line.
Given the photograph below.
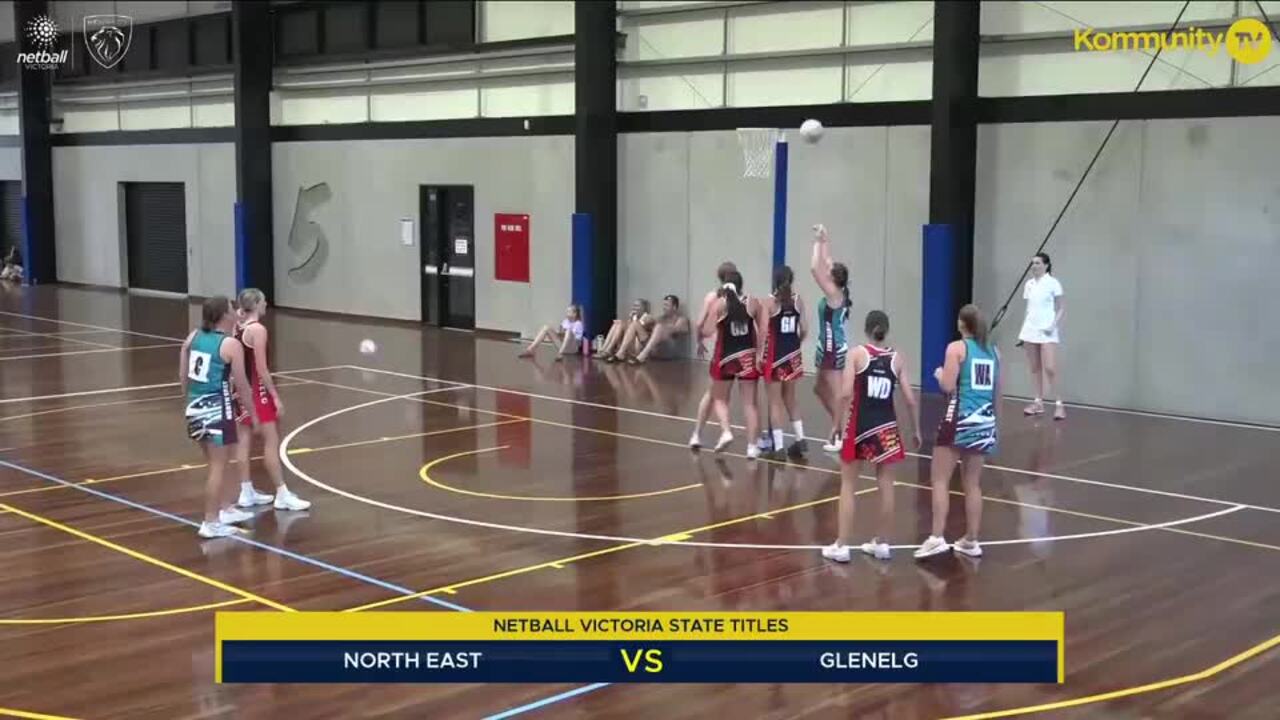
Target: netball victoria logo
x=42 y=37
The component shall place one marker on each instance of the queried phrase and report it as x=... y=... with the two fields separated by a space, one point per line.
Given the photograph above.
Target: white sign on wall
x=406 y=232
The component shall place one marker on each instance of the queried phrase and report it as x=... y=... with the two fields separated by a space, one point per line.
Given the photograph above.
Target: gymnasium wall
x=375 y=183
x=684 y=207
x=87 y=212
x=1166 y=258
x=10 y=163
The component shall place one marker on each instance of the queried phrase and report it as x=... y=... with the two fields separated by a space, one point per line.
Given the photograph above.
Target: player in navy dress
x=783 y=366
x=737 y=322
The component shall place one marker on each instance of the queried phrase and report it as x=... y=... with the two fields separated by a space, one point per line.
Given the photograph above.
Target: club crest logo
x=107 y=38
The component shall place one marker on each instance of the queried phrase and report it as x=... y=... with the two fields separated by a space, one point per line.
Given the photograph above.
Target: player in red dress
x=737 y=322
x=253 y=335
x=871 y=377
x=783 y=365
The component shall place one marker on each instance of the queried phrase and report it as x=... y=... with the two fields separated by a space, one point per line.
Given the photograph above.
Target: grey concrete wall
x=87 y=212
x=1165 y=257
x=375 y=183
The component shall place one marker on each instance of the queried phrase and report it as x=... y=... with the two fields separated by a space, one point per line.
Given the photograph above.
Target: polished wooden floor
x=107 y=596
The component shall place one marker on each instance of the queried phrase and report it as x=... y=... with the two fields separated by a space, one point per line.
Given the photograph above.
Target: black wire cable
x=1266 y=19
x=1005 y=307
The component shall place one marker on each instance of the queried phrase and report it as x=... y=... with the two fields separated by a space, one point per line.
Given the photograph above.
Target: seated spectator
x=567 y=338
x=612 y=346
x=11 y=268
x=666 y=338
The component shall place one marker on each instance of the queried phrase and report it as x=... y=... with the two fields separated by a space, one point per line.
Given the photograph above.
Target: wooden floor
x=1158 y=537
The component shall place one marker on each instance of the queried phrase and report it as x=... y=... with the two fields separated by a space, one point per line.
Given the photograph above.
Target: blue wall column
x=254 y=248
x=596 y=156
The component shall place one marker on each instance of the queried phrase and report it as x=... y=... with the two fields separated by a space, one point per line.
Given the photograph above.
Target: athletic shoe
x=837 y=552
x=250 y=497
x=753 y=452
x=216 y=530
x=876 y=549
x=286 y=500
x=231 y=516
x=935 y=545
x=834 y=444
x=695 y=441
x=1059 y=412
x=726 y=439
x=765 y=442
x=965 y=546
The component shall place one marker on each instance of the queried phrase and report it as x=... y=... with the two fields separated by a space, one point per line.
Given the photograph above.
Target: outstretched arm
x=820 y=265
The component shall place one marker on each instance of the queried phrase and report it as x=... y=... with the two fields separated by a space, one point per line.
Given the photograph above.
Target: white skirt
x=1030 y=334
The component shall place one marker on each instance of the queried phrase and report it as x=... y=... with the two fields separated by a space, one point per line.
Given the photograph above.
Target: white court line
x=90 y=352
x=24 y=333
x=134 y=401
x=106 y=391
x=665 y=540
x=1020 y=471
x=87 y=325
x=1156 y=415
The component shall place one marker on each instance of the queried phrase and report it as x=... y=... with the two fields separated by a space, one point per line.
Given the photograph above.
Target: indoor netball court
x=637 y=308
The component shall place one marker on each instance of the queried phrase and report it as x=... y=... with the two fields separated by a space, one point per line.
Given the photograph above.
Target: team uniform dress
x=210 y=409
x=262 y=400
x=969 y=422
x=735 y=354
x=832 y=345
x=872 y=434
x=782 y=357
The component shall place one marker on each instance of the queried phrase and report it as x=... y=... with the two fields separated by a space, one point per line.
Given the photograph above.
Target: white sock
x=281 y=489
x=798 y=425
x=246 y=486
x=777 y=439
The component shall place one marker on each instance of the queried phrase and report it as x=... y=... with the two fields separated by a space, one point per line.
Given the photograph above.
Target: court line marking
x=1158 y=415
x=299 y=451
x=87 y=325
x=1020 y=471
x=566 y=695
x=238 y=538
x=33 y=349
x=113 y=403
x=390 y=396
x=559 y=563
x=535 y=498
x=10 y=712
x=132 y=388
x=129 y=616
x=1205 y=674
x=90 y=352
x=150 y=560
x=25 y=333
x=288 y=463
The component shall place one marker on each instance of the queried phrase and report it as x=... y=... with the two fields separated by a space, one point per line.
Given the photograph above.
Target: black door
x=10 y=217
x=155 y=222
x=448 y=256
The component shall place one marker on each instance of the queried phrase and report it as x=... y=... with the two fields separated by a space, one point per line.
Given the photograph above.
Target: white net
x=757 y=150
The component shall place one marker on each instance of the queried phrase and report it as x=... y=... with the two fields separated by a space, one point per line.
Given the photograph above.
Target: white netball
x=368 y=347
x=811 y=130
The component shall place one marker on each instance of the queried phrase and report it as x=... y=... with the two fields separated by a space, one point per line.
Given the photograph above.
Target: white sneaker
x=935 y=545
x=695 y=441
x=250 y=497
x=965 y=546
x=216 y=530
x=876 y=549
x=288 y=501
x=837 y=552
x=726 y=439
x=231 y=516
x=833 y=445
x=753 y=452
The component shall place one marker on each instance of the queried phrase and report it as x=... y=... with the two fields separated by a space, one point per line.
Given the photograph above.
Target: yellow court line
x=671 y=538
x=137 y=555
x=422 y=473
x=10 y=712
x=201 y=466
x=129 y=616
x=1150 y=687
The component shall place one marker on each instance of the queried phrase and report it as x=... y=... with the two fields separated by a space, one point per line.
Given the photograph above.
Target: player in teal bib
x=971 y=378
x=212 y=364
x=833 y=346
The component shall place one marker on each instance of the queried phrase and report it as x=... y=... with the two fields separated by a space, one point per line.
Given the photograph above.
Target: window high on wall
x=712 y=54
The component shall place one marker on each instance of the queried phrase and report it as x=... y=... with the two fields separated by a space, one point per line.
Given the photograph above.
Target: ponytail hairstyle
x=1048 y=264
x=731 y=291
x=840 y=276
x=782 y=279
x=249 y=300
x=212 y=312
x=973 y=322
x=877 y=325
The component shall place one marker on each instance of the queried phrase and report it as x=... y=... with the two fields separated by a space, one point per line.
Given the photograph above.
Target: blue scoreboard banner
x=665 y=647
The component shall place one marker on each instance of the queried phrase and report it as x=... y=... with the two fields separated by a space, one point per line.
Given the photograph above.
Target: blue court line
x=263 y=546
x=566 y=695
